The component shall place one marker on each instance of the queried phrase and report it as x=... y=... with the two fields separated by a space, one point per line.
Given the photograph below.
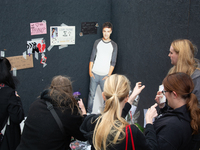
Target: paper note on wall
x=36 y=45
x=38 y=28
x=62 y=35
x=19 y=62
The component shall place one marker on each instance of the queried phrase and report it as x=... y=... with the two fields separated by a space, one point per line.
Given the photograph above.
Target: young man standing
x=102 y=62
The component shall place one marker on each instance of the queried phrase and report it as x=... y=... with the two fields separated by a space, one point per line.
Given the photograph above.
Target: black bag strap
x=54 y=114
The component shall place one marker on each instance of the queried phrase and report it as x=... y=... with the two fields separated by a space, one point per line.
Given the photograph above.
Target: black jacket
x=172 y=128
x=140 y=143
x=41 y=132
x=10 y=105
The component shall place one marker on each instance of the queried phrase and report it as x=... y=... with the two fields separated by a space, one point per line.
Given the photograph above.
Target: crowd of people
x=57 y=116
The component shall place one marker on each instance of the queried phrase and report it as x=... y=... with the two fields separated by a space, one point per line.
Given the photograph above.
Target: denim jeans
x=94 y=82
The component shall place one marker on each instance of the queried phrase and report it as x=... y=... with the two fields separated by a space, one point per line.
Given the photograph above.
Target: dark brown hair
x=107 y=25
x=183 y=85
x=5 y=74
x=61 y=92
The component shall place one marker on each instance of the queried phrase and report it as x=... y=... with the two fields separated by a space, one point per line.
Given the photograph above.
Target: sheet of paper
x=38 y=28
x=36 y=45
x=89 y=27
x=43 y=59
x=2 y=54
x=19 y=62
x=62 y=35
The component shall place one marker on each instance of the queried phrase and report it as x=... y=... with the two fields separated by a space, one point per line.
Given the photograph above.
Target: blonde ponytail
x=110 y=125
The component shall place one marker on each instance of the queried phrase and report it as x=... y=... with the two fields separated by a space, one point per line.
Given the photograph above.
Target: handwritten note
x=38 y=28
x=19 y=62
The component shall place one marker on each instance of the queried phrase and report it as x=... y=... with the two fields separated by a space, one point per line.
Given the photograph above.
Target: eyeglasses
x=164 y=92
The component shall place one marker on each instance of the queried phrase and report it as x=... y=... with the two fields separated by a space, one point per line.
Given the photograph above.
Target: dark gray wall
x=72 y=61
x=143 y=30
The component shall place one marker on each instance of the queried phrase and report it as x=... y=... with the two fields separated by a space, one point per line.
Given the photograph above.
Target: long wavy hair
x=61 y=93
x=186 y=62
x=110 y=125
x=183 y=85
x=5 y=74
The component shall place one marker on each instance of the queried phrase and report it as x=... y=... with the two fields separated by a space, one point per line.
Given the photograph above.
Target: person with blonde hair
x=177 y=127
x=182 y=54
x=41 y=131
x=108 y=130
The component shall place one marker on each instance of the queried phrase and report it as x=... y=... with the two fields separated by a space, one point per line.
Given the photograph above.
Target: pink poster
x=38 y=28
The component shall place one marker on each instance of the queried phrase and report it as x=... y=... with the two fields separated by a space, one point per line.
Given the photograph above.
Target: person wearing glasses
x=182 y=53
x=177 y=126
x=11 y=109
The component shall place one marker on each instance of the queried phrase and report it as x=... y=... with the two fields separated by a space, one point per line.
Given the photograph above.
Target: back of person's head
x=185 y=50
x=116 y=89
x=5 y=74
x=61 y=92
x=183 y=85
x=107 y=25
x=110 y=125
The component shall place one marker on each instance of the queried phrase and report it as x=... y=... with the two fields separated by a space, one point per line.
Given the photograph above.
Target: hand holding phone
x=163 y=98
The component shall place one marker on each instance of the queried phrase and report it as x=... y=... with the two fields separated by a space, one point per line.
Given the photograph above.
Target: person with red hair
x=178 y=123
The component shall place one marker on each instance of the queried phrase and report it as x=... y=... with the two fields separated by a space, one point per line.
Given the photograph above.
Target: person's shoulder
x=92 y=117
x=98 y=40
x=36 y=103
x=196 y=74
x=134 y=128
x=89 y=123
x=6 y=87
x=172 y=122
x=7 y=91
x=114 y=43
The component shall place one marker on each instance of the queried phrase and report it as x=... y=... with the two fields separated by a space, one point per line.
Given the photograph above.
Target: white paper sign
x=62 y=35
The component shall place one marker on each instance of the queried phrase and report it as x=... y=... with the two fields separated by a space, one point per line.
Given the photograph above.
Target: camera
x=77 y=98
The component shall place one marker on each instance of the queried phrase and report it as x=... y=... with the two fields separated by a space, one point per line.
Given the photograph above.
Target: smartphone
x=162 y=99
